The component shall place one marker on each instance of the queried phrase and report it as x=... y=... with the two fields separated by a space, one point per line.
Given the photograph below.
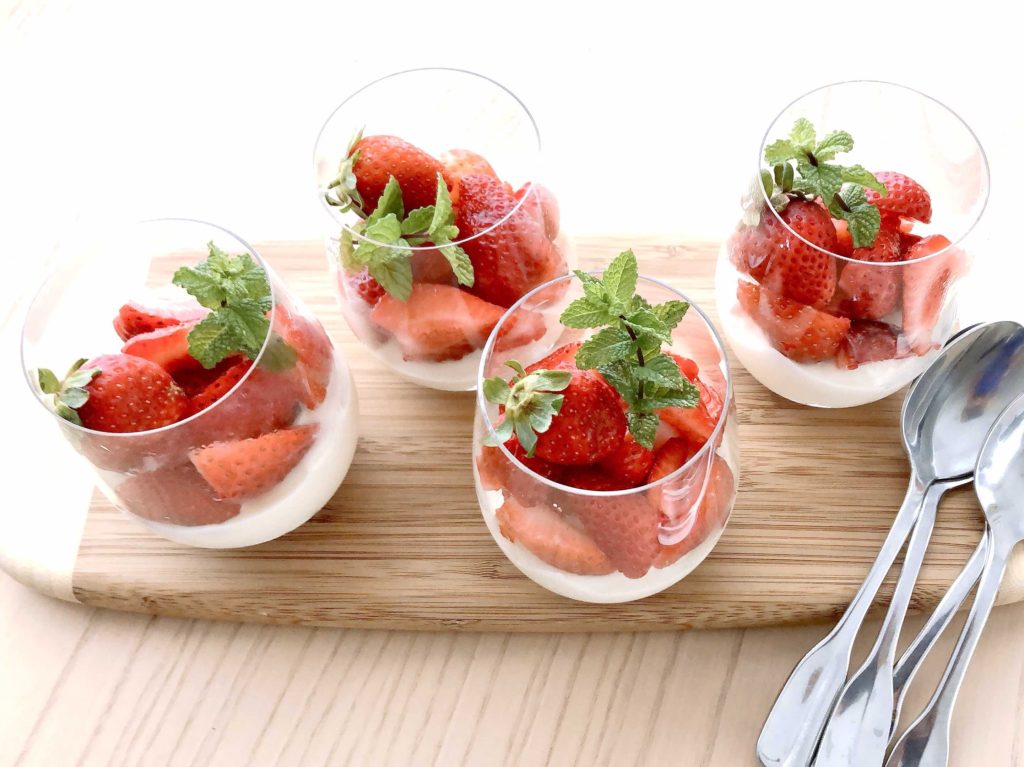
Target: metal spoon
x=999 y=484
x=935 y=434
x=984 y=375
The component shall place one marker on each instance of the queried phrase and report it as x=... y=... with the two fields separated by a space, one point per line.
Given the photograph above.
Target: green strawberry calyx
x=801 y=166
x=531 y=401
x=69 y=393
x=237 y=292
x=341 y=191
x=387 y=236
x=627 y=347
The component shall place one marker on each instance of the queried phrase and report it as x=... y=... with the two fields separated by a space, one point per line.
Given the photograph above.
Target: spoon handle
x=857 y=734
x=926 y=741
x=790 y=734
x=948 y=606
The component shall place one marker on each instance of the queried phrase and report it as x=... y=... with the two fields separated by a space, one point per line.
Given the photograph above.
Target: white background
x=650 y=113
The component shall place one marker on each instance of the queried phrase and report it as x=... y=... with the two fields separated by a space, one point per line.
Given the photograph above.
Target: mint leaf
x=864 y=219
x=834 y=143
x=279 y=356
x=643 y=427
x=385 y=231
x=221 y=278
x=48 y=381
x=444 y=215
x=586 y=313
x=646 y=321
x=346 y=252
x=389 y=203
x=781 y=151
x=239 y=328
x=620 y=376
x=593 y=288
x=825 y=180
x=671 y=313
x=418 y=220
x=857 y=174
x=394 y=272
x=802 y=136
x=620 y=278
x=460 y=263
x=661 y=371
x=607 y=346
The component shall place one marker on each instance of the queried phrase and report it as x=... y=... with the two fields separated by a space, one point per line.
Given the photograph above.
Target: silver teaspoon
x=791 y=732
x=984 y=372
x=999 y=484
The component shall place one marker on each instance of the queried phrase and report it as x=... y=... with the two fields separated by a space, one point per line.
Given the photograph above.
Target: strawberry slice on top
x=905 y=197
x=134 y=318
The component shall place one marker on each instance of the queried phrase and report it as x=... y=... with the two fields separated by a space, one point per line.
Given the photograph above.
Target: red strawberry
x=431 y=266
x=562 y=358
x=249 y=467
x=906 y=198
x=589 y=427
x=545 y=199
x=520 y=329
x=686 y=366
x=315 y=353
x=511 y=257
x=174 y=495
x=695 y=423
x=624 y=527
x=134 y=318
x=925 y=283
x=907 y=241
x=630 y=462
x=438 y=322
x=670 y=457
x=220 y=386
x=712 y=514
x=868 y=341
x=497 y=472
x=552 y=537
x=462 y=162
x=381 y=157
x=844 y=240
x=130 y=394
x=594 y=478
x=263 y=402
x=363 y=285
x=167 y=347
x=194 y=380
x=871 y=292
x=797 y=270
x=800 y=332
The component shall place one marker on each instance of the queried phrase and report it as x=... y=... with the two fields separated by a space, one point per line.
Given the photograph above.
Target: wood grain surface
x=402 y=544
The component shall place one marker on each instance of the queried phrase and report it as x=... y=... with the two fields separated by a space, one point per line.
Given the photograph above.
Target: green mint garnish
x=800 y=167
x=236 y=291
x=627 y=348
x=389 y=232
x=530 y=403
x=69 y=394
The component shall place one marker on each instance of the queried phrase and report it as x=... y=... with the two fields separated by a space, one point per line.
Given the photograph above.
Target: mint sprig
x=237 y=292
x=531 y=401
x=627 y=348
x=800 y=166
x=388 y=234
x=69 y=393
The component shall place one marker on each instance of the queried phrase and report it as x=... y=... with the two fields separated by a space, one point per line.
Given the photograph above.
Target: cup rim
x=53 y=271
x=987 y=192
x=332 y=211
x=699 y=455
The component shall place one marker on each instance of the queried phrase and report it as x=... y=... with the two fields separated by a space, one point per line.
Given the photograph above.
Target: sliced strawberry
x=800 y=332
x=844 y=240
x=712 y=514
x=629 y=464
x=381 y=157
x=264 y=401
x=695 y=423
x=548 y=203
x=590 y=425
x=175 y=495
x=363 y=285
x=552 y=537
x=868 y=341
x=431 y=266
x=624 y=527
x=130 y=394
x=315 y=353
x=194 y=380
x=564 y=357
x=925 y=283
x=220 y=386
x=438 y=322
x=594 y=478
x=134 y=318
x=462 y=162
x=167 y=347
x=670 y=457
x=871 y=292
x=520 y=329
x=905 y=198
x=907 y=241
x=686 y=366
x=249 y=467
x=497 y=472
x=506 y=242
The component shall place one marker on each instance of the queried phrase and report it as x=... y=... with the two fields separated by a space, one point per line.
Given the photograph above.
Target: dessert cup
x=536 y=520
x=884 y=314
x=485 y=145
x=297 y=384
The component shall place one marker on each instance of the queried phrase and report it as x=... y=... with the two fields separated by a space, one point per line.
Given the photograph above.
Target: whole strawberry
x=117 y=393
x=795 y=268
x=906 y=198
x=869 y=292
x=506 y=242
x=376 y=158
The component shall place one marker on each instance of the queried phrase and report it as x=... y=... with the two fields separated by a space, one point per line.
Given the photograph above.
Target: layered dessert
x=433 y=251
x=225 y=419
x=828 y=292
x=606 y=468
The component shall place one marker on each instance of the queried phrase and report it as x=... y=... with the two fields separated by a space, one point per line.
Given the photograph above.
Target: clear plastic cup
x=151 y=475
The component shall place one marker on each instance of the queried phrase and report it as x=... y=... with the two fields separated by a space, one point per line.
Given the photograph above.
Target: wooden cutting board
x=402 y=544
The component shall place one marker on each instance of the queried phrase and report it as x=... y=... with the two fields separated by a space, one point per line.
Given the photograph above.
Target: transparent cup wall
x=148 y=474
x=694 y=503
x=436 y=110
x=894 y=129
